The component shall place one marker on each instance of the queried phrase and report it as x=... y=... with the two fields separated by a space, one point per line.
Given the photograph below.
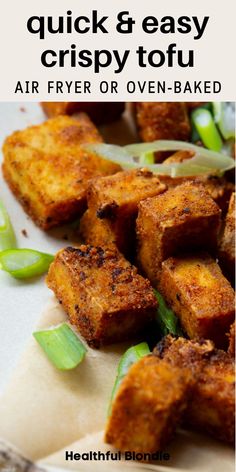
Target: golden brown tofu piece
x=227 y=243
x=148 y=406
x=102 y=293
x=231 y=348
x=200 y=295
x=95 y=231
x=180 y=219
x=48 y=171
x=163 y=120
x=114 y=200
x=219 y=188
x=211 y=406
x=99 y=112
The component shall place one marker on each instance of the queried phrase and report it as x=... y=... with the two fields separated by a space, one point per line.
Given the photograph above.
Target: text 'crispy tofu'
x=113 y=204
x=148 y=406
x=200 y=295
x=102 y=293
x=211 y=405
x=48 y=171
x=99 y=112
x=180 y=219
x=227 y=243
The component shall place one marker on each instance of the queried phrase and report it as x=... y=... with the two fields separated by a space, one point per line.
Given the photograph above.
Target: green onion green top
x=132 y=355
x=206 y=128
x=224 y=116
x=62 y=346
x=24 y=263
x=7 y=235
x=166 y=318
x=147 y=158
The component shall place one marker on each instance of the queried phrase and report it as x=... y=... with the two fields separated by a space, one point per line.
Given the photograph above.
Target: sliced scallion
x=206 y=128
x=224 y=116
x=204 y=160
x=62 y=347
x=166 y=318
x=7 y=235
x=132 y=355
x=147 y=158
x=24 y=263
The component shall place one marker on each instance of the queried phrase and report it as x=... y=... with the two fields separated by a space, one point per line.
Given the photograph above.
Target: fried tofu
x=180 y=219
x=102 y=293
x=202 y=298
x=113 y=207
x=48 y=171
x=162 y=120
x=148 y=406
x=95 y=231
x=231 y=348
x=211 y=406
x=227 y=243
x=99 y=112
x=219 y=188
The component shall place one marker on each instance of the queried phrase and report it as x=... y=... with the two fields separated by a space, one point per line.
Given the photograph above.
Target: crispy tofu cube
x=148 y=406
x=211 y=406
x=231 y=348
x=114 y=200
x=219 y=188
x=200 y=295
x=227 y=243
x=181 y=219
x=163 y=120
x=95 y=231
x=48 y=171
x=102 y=293
x=99 y=112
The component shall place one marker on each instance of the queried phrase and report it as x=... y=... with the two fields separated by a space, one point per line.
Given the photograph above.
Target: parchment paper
x=44 y=410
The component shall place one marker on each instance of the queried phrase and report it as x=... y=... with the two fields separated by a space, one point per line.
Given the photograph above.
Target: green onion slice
x=62 y=346
x=24 y=263
x=206 y=128
x=224 y=116
x=204 y=160
x=132 y=355
x=147 y=158
x=7 y=235
x=166 y=318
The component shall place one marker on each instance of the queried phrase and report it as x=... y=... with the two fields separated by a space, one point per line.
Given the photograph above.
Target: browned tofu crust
x=211 y=406
x=163 y=120
x=99 y=112
x=227 y=243
x=96 y=232
x=148 y=406
x=102 y=293
x=219 y=188
x=231 y=348
x=200 y=295
x=180 y=219
x=48 y=171
x=113 y=207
